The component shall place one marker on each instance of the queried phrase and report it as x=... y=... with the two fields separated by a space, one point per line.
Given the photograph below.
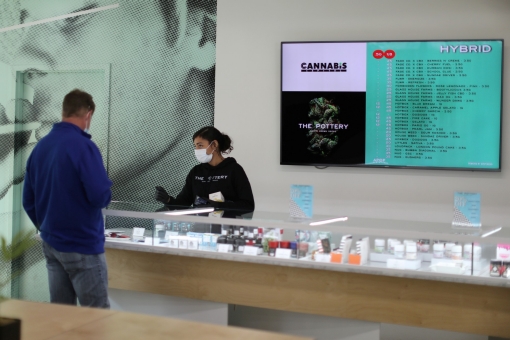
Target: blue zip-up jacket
x=66 y=186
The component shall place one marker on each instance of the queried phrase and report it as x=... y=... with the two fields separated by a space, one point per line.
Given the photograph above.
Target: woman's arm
x=185 y=197
x=245 y=200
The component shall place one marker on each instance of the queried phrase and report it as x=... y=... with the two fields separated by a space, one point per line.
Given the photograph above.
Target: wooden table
x=59 y=322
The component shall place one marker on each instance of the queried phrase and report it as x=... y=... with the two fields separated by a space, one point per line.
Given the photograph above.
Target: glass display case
x=422 y=250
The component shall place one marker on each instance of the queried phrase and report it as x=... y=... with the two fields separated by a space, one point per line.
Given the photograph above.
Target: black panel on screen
x=298 y=140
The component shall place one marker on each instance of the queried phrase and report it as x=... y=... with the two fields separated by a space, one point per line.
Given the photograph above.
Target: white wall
x=249 y=33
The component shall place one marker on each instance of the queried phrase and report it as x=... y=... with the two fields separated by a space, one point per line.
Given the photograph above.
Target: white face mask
x=87 y=129
x=202 y=156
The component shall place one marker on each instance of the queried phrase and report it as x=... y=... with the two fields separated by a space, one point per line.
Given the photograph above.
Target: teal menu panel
x=434 y=104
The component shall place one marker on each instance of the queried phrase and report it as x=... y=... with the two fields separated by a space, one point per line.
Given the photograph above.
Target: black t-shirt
x=228 y=177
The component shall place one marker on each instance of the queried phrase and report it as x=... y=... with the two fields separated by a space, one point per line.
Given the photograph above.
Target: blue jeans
x=77 y=276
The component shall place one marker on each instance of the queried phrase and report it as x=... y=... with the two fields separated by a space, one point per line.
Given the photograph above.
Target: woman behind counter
x=215 y=174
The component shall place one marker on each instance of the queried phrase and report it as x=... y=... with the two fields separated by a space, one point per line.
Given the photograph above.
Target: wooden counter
x=58 y=322
x=441 y=305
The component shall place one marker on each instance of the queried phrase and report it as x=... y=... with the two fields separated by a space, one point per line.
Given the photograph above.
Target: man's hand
x=162 y=195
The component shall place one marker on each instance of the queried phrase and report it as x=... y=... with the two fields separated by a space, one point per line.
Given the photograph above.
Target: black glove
x=199 y=201
x=162 y=195
x=205 y=203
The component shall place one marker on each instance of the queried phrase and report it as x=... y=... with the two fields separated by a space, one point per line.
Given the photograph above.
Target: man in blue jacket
x=66 y=186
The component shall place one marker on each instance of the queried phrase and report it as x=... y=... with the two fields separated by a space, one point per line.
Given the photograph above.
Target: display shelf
x=360 y=227
x=372 y=268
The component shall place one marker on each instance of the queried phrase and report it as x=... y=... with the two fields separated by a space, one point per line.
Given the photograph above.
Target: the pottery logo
x=323 y=126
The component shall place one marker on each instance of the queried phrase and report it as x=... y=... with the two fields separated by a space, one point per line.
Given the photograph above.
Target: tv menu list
x=424 y=98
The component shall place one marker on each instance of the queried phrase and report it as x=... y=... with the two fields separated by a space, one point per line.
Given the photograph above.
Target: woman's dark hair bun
x=226 y=145
x=210 y=133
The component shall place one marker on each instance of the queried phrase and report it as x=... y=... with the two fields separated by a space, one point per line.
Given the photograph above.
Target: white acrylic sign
x=138 y=232
x=170 y=233
x=282 y=253
x=151 y=241
x=223 y=248
x=322 y=257
x=252 y=251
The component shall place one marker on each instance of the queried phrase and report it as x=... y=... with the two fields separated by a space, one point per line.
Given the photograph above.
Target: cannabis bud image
x=322 y=113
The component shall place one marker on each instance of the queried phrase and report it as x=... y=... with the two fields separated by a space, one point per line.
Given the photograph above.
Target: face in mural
x=161 y=56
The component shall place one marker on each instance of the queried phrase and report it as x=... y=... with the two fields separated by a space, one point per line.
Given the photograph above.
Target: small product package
x=360 y=255
x=503 y=252
x=336 y=257
x=379 y=245
x=213 y=242
x=208 y=242
x=322 y=251
x=271 y=235
x=326 y=245
x=217 y=197
x=173 y=242
x=505 y=269
x=345 y=247
x=183 y=242
x=195 y=240
x=365 y=250
x=355 y=259
x=193 y=243
x=423 y=246
x=495 y=268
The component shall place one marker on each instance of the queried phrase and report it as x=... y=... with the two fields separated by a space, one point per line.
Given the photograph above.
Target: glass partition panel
x=421 y=250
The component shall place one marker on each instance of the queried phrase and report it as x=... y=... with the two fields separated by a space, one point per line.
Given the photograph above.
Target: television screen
x=405 y=104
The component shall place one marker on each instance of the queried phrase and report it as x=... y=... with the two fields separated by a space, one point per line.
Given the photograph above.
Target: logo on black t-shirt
x=211 y=178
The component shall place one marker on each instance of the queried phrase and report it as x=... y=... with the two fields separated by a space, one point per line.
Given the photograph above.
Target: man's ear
x=200 y=37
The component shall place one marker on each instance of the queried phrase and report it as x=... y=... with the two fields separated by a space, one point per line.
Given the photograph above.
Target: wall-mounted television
x=403 y=104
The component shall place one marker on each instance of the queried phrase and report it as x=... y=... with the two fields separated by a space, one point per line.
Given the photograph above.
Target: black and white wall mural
x=149 y=66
